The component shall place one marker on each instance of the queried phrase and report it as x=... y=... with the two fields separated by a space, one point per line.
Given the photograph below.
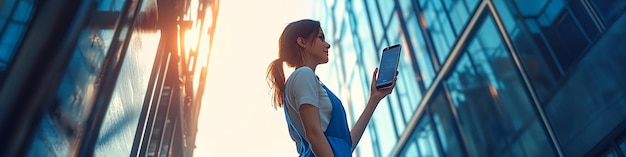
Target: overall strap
x=338 y=133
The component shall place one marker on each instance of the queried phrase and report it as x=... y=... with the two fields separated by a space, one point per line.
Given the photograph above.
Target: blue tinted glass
x=58 y=131
x=407 y=83
x=23 y=11
x=424 y=59
x=118 y=129
x=439 y=27
x=445 y=125
x=15 y=16
x=386 y=9
x=7 y=8
x=612 y=153
x=407 y=9
x=551 y=11
x=418 y=51
x=530 y=7
x=365 y=43
x=398 y=116
x=426 y=142
x=527 y=40
x=384 y=125
x=460 y=11
x=491 y=99
x=376 y=22
x=409 y=93
x=589 y=101
x=567 y=40
x=74 y=96
x=111 y=5
x=609 y=10
x=410 y=149
x=394 y=31
x=585 y=21
x=407 y=86
x=547 y=48
x=10 y=39
x=622 y=146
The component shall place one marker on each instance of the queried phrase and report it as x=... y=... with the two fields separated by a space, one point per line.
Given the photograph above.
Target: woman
x=316 y=118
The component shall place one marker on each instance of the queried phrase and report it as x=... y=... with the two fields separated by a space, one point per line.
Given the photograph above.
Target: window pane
x=446 y=126
x=11 y=40
x=386 y=9
x=550 y=37
x=111 y=5
x=409 y=150
x=460 y=11
x=417 y=47
x=118 y=128
x=393 y=31
x=386 y=136
x=439 y=27
x=612 y=153
x=566 y=39
x=609 y=10
x=60 y=127
x=15 y=17
x=589 y=102
x=528 y=40
x=408 y=91
x=425 y=140
x=397 y=114
x=492 y=103
x=622 y=146
x=377 y=23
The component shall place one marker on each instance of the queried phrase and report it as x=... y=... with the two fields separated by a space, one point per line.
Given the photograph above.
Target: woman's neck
x=311 y=65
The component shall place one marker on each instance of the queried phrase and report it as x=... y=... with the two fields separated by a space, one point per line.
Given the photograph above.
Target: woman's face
x=318 y=49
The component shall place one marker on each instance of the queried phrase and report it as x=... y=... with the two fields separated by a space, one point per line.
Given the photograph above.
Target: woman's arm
x=310 y=116
x=375 y=97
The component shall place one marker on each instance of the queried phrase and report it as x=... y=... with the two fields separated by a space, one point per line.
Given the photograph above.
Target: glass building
x=102 y=77
x=484 y=77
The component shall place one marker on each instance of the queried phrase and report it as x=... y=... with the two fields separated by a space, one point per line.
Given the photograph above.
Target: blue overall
x=337 y=132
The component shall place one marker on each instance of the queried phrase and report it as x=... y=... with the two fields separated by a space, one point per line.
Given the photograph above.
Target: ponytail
x=290 y=53
x=276 y=78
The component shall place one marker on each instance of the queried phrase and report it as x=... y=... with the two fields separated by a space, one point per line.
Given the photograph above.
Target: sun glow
x=196 y=39
x=191 y=39
x=236 y=113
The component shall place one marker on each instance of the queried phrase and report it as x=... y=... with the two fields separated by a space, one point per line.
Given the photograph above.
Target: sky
x=236 y=117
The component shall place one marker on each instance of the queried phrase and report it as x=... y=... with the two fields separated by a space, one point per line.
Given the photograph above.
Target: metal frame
x=531 y=90
x=445 y=70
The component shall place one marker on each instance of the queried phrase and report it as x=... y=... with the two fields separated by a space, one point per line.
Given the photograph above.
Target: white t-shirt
x=303 y=87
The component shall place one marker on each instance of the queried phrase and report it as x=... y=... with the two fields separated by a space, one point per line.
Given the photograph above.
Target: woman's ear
x=301 y=42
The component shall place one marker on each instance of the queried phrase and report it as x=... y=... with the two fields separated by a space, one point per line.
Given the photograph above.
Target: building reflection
x=484 y=77
x=103 y=77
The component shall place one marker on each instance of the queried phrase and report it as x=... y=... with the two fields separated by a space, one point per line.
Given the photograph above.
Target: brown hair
x=290 y=52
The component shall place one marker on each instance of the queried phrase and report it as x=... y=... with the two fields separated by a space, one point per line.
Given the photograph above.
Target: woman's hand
x=379 y=94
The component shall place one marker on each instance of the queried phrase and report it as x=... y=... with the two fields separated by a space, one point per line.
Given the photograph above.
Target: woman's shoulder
x=302 y=74
x=304 y=69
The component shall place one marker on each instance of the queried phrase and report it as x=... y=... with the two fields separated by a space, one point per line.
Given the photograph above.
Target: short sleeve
x=306 y=87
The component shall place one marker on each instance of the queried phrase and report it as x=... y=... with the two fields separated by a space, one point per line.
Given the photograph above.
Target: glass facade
x=484 y=77
x=15 y=17
x=102 y=77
